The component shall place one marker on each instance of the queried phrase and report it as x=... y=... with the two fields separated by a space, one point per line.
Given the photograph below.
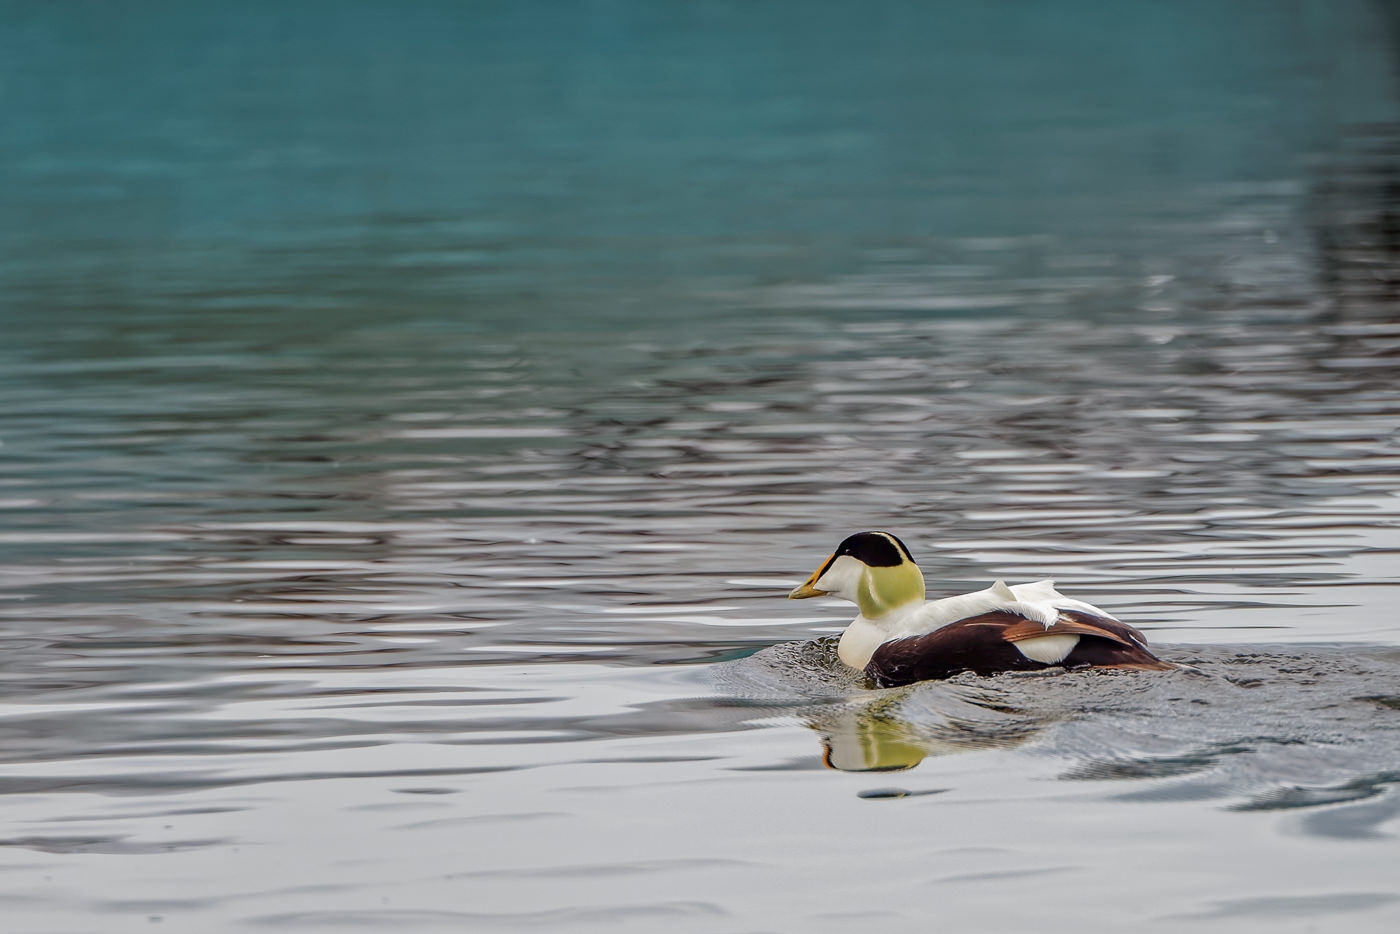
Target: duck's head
x=872 y=570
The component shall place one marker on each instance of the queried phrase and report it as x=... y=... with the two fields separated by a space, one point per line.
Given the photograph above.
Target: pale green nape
x=885 y=589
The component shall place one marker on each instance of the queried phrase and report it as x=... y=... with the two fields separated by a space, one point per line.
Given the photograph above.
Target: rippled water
x=410 y=426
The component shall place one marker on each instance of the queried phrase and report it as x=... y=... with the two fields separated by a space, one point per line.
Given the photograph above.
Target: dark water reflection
x=409 y=425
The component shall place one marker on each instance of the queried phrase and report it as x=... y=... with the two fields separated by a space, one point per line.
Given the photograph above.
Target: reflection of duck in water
x=860 y=742
x=899 y=637
x=895 y=731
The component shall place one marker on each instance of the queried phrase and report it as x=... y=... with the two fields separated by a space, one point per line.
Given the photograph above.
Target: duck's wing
x=1000 y=640
x=1076 y=622
x=977 y=644
x=1044 y=592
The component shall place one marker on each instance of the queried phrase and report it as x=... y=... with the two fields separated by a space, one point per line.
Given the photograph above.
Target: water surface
x=410 y=423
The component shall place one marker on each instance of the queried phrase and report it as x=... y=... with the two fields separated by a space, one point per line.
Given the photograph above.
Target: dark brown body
x=986 y=645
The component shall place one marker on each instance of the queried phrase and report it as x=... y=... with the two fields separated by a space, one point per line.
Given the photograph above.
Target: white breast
x=859 y=642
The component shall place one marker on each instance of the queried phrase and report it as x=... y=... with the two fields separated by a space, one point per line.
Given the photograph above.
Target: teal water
x=412 y=419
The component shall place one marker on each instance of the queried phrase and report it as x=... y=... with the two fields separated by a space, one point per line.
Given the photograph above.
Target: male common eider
x=899 y=637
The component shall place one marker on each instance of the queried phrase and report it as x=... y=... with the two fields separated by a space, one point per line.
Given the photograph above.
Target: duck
x=900 y=638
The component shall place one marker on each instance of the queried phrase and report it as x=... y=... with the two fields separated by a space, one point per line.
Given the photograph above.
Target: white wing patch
x=1048 y=650
x=1045 y=592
